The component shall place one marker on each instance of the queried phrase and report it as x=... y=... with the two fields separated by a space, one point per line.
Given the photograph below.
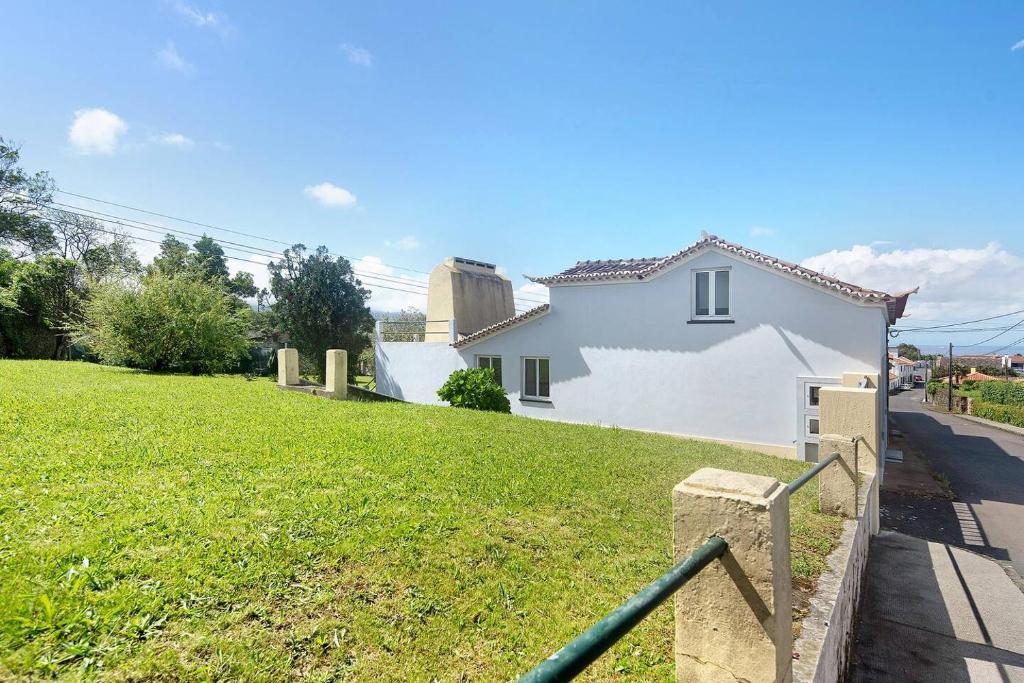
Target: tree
x=24 y=227
x=909 y=351
x=207 y=261
x=407 y=325
x=102 y=252
x=321 y=305
x=172 y=259
x=176 y=324
x=40 y=302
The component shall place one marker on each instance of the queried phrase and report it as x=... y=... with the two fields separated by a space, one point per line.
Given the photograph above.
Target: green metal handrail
x=811 y=473
x=565 y=664
x=572 y=659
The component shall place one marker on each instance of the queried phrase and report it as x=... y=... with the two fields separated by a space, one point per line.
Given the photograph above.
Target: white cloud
x=407 y=243
x=529 y=295
x=96 y=131
x=956 y=284
x=761 y=231
x=329 y=194
x=222 y=146
x=214 y=21
x=1019 y=45
x=172 y=59
x=174 y=140
x=357 y=55
x=385 y=297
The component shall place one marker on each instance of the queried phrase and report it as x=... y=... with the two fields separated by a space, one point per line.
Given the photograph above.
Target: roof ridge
x=502 y=324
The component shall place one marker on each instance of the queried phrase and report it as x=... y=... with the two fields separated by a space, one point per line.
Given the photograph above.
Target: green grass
x=157 y=526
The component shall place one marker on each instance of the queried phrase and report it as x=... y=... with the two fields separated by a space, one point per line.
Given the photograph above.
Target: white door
x=807 y=415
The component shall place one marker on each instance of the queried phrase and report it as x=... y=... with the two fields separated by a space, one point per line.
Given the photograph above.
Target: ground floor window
x=536 y=378
x=492 y=362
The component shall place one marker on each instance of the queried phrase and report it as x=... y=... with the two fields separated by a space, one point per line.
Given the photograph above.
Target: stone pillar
x=734 y=619
x=838 y=483
x=287 y=367
x=855 y=413
x=337 y=374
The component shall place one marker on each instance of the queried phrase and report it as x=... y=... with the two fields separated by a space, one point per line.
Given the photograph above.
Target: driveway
x=985 y=468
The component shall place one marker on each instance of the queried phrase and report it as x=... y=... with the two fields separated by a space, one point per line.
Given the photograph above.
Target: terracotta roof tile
x=641 y=268
x=497 y=327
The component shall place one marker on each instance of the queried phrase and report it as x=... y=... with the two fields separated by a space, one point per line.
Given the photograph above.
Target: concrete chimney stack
x=469 y=292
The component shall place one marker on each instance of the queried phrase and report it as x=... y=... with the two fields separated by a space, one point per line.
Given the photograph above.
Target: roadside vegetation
x=162 y=526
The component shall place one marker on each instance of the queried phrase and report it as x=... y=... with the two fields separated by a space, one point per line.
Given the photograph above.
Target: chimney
x=469 y=292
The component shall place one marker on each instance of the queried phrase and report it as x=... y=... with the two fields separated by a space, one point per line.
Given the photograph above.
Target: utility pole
x=949 y=378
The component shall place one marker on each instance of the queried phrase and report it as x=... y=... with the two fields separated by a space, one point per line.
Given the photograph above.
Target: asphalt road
x=984 y=467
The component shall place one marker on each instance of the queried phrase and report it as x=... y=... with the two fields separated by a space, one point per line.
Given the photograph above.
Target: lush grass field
x=170 y=527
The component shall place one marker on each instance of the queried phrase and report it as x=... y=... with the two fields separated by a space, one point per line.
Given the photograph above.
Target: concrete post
x=453 y=331
x=855 y=413
x=287 y=367
x=378 y=330
x=734 y=620
x=337 y=374
x=838 y=483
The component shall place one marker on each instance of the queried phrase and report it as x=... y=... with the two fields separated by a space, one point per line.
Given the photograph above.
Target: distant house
x=653 y=343
x=979 y=377
x=1015 y=362
x=903 y=368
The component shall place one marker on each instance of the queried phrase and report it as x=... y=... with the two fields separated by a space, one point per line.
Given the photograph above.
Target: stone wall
x=827 y=631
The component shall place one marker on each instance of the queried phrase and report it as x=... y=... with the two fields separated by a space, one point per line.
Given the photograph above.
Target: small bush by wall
x=1007 y=393
x=1012 y=415
x=475 y=388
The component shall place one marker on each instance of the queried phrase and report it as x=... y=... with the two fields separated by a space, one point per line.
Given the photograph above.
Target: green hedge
x=1007 y=393
x=1013 y=415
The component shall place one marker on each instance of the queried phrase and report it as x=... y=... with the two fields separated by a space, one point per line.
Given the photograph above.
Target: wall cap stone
x=712 y=480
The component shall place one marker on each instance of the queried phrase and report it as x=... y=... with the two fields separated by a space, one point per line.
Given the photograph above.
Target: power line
x=1008 y=346
x=151 y=227
x=985 y=341
x=964 y=322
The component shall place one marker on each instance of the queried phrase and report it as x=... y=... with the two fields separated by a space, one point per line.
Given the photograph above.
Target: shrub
x=475 y=388
x=179 y=324
x=1013 y=415
x=1007 y=393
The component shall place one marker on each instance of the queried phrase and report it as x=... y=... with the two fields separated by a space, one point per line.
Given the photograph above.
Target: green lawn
x=157 y=526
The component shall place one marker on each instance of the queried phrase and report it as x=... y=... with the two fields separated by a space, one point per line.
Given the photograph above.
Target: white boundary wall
x=414 y=371
x=827 y=632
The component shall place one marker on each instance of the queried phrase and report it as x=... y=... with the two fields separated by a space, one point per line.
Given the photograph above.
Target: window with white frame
x=711 y=293
x=492 y=362
x=536 y=378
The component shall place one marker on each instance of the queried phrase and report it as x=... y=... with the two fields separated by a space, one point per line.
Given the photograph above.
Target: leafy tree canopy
x=320 y=304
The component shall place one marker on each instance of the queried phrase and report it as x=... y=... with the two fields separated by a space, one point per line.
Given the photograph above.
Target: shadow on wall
x=385 y=381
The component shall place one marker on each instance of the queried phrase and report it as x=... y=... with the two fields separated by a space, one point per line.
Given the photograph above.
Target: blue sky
x=881 y=142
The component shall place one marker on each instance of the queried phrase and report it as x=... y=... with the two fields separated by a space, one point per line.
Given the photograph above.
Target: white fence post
x=378 y=329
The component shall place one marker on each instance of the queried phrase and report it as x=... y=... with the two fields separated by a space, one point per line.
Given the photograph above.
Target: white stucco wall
x=414 y=371
x=624 y=354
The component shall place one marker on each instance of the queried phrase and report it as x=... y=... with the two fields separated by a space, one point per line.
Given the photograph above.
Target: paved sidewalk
x=933 y=612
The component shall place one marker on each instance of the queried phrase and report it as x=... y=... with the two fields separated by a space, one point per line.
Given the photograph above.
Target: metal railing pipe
x=568 y=662
x=795 y=485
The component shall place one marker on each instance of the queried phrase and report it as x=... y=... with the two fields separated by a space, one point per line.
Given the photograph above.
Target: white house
x=903 y=368
x=716 y=341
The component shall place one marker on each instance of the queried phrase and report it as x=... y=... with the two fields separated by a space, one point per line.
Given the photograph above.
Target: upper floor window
x=492 y=362
x=711 y=293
